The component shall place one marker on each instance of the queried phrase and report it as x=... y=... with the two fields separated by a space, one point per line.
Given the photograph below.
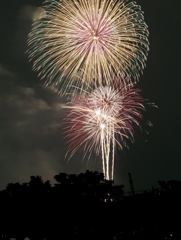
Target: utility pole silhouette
x=131 y=184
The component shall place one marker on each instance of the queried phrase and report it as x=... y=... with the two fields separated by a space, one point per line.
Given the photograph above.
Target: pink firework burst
x=88 y=41
x=103 y=119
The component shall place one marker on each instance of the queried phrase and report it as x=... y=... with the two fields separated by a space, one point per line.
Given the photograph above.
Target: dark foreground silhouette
x=85 y=206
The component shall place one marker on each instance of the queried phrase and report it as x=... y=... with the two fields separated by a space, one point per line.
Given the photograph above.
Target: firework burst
x=78 y=42
x=103 y=119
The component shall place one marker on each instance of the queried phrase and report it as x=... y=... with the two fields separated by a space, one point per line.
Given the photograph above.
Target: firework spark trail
x=82 y=42
x=103 y=119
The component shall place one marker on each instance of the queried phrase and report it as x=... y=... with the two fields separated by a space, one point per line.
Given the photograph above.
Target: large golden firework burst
x=80 y=42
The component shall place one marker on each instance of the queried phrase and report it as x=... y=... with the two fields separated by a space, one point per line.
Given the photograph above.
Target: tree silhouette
x=86 y=206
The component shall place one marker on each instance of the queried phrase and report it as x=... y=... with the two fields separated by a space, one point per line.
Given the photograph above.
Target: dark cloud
x=29 y=123
x=32 y=140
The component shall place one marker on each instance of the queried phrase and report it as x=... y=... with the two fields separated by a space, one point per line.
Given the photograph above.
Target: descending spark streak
x=77 y=42
x=103 y=119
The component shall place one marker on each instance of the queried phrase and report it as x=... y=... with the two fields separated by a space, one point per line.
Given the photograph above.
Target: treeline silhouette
x=86 y=206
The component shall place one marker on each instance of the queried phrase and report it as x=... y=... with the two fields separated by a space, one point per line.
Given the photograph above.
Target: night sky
x=31 y=120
